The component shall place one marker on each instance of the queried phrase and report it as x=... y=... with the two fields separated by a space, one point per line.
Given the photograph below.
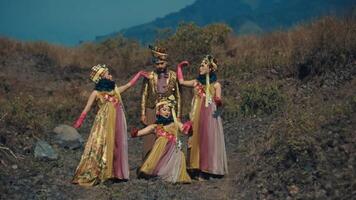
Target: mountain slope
x=244 y=16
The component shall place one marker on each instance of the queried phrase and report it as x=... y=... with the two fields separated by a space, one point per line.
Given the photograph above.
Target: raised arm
x=86 y=109
x=133 y=81
x=181 y=80
x=145 y=131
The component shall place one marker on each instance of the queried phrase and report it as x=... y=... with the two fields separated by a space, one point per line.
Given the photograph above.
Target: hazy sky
x=68 y=21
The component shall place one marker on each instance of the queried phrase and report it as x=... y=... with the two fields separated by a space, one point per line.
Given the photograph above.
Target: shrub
x=261 y=100
x=191 y=42
x=21 y=113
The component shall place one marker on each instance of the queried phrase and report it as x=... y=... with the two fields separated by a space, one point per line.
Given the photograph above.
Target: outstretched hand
x=183 y=63
x=144 y=74
x=137 y=76
x=78 y=123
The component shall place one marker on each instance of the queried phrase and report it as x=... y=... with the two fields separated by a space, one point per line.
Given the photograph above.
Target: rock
x=44 y=151
x=293 y=189
x=16 y=188
x=68 y=137
x=273 y=71
x=14 y=167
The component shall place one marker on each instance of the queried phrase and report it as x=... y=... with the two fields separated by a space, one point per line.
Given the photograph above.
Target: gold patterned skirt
x=105 y=154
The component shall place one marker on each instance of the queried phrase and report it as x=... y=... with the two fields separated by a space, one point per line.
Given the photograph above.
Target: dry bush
x=279 y=77
x=325 y=46
x=9 y=48
x=321 y=47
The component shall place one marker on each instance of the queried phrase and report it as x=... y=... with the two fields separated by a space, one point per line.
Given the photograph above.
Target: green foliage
x=261 y=100
x=191 y=42
x=119 y=53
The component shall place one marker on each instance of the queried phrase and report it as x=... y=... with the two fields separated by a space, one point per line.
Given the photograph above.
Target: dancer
x=161 y=84
x=206 y=149
x=105 y=155
x=165 y=160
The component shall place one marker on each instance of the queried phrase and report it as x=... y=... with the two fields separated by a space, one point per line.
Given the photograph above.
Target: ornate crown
x=211 y=61
x=158 y=53
x=97 y=72
x=170 y=101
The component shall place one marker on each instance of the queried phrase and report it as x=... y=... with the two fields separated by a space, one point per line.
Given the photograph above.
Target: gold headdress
x=97 y=72
x=158 y=54
x=170 y=102
x=211 y=61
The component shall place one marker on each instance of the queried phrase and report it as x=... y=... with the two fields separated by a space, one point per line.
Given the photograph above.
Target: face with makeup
x=161 y=65
x=204 y=68
x=165 y=111
x=107 y=75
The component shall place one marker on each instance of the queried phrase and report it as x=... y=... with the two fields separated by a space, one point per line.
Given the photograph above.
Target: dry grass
x=302 y=80
x=316 y=50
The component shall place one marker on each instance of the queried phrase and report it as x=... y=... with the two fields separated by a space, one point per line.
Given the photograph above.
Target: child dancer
x=165 y=160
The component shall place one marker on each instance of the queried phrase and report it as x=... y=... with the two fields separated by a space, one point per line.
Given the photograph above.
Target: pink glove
x=179 y=69
x=137 y=76
x=187 y=126
x=218 y=101
x=80 y=120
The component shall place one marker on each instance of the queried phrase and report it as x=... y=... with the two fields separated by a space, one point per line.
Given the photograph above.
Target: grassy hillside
x=289 y=117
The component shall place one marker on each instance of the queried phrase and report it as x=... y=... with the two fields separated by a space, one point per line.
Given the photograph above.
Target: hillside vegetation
x=289 y=115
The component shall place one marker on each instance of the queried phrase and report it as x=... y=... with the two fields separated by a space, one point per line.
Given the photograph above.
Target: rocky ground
x=24 y=176
x=249 y=177
x=32 y=178
x=316 y=165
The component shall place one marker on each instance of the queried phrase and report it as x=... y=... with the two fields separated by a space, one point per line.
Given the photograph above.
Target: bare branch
x=2 y=117
x=10 y=151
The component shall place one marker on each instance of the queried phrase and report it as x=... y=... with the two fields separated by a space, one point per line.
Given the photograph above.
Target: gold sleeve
x=177 y=94
x=144 y=96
